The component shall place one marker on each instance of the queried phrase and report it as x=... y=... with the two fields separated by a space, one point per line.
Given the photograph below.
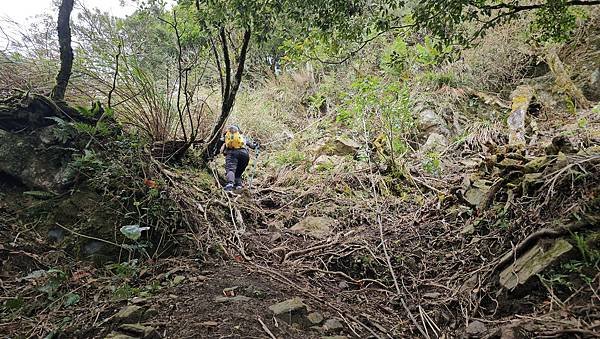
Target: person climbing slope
x=235 y=147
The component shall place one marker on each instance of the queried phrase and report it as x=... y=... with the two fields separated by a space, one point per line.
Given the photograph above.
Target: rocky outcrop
x=32 y=161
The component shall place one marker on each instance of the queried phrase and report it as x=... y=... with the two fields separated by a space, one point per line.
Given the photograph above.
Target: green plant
x=432 y=163
x=590 y=256
x=55 y=279
x=290 y=157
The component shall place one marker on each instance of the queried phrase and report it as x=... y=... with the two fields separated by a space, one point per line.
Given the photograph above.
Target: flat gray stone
x=332 y=325
x=236 y=299
x=292 y=311
x=315 y=318
x=476 y=328
x=130 y=314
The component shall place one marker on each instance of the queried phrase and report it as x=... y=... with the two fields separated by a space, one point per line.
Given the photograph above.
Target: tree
x=66 y=52
x=232 y=26
x=447 y=18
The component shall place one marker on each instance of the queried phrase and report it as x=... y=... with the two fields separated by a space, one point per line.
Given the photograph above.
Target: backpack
x=234 y=140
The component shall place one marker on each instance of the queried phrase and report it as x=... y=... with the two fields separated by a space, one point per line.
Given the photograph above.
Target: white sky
x=21 y=10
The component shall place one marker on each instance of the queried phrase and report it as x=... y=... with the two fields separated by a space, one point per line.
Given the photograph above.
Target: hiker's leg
x=242 y=162
x=231 y=164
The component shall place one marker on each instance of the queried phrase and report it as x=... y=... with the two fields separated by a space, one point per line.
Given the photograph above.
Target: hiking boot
x=238 y=187
x=228 y=188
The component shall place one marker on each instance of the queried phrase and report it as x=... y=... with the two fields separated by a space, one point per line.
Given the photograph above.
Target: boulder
x=24 y=158
x=431 y=122
x=435 y=143
x=343 y=145
x=317 y=227
x=533 y=262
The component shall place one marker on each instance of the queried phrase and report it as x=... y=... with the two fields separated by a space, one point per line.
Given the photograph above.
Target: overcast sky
x=21 y=10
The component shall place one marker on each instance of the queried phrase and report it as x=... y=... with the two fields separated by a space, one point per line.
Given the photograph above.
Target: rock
x=430 y=122
x=468 y=229
x=33 y=165
x=140 y=331
x=333 y=325
x=93 y=247
x=292 y=311
x=476 y=194
x=178 y=279
x=435 y=143
x=532 y=262
x=130 y=314
x=563 y=144
x=536 y=164
x=138 y=301
x=591 y=89
x=531 y=181
x=56 y=235
x=315 y=318
x=237 y=298
x=343 y=145
x=521 y=98
x=343 y=285
x=476 y=328
x=149 y=314
x=318 y=227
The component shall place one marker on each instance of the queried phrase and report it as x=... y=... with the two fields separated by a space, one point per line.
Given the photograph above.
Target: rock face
x=532 y=262
x=521 y=98
x=28 y=160
x=318 y=227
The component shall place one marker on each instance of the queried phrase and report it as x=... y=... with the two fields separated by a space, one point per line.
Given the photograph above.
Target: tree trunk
x=66 y=52
x=229 y=94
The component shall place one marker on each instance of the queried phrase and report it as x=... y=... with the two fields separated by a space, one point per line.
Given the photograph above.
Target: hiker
x=235 y=147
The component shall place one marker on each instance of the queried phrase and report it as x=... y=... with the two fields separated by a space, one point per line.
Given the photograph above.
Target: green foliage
x=291 y=157
x=589 y=255
x=464 y=20
x=554 y=22
x=398 y=57
x=55 y=279
x=382 y=108
x=432 y=163
x=13 y=304
x=395 y=57
x=71 y=299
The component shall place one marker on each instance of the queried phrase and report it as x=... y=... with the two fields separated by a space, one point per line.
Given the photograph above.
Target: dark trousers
x=236 y=161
